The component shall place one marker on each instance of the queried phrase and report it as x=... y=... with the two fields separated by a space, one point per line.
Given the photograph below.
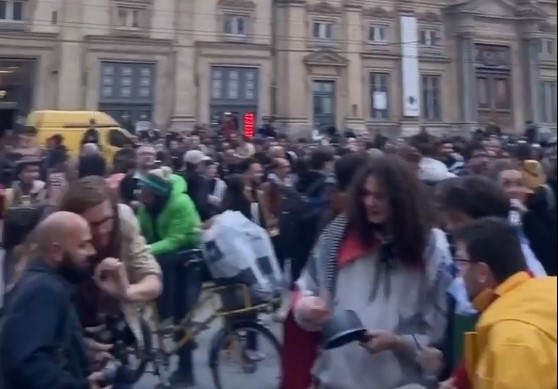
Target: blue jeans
x=181 y=287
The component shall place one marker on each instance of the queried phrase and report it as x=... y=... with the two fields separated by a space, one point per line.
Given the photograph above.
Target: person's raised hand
x=312 y=309
x=378 y=341
x=111 y=277
x=94 y=380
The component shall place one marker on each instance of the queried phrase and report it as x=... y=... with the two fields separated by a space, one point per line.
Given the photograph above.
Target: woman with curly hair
x=383 y=259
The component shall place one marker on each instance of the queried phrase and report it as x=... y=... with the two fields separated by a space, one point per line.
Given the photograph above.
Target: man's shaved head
x=58 y=227
x=64 y=236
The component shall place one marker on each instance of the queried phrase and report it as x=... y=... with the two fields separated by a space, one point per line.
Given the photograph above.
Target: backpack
x=314 y=194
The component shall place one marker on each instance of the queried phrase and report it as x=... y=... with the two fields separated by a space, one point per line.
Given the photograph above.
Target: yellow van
x=72 y=126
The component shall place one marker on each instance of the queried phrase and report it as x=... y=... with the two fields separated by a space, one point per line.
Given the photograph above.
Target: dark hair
x=246 y=164
x=92 y=165
x=522 y=151
x=57 y=138
x=410 y=222
x=163 y=157
x=424 y=143
x=493 y=241
x=346 y=169
x=476 y=196
x=471 y=148
x=501 y=165
x=124 y=160
x=234 y=198
x=319 y=157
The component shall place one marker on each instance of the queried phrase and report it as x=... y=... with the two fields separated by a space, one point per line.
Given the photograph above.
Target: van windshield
x=118 y=138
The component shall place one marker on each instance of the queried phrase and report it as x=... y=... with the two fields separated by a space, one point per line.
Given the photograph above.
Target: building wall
x=70 y=39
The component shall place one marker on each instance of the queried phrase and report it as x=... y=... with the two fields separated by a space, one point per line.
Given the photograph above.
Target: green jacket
x=176 y=223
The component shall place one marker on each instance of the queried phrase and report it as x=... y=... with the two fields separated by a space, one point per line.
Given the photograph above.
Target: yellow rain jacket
x=514 y=343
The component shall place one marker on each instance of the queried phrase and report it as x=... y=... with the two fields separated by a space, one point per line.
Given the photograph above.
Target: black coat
x=41 y=342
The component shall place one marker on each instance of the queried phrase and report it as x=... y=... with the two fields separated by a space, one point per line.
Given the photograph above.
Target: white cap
x=195 y=157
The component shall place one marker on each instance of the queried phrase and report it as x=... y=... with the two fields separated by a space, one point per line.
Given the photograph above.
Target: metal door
x=323 y=96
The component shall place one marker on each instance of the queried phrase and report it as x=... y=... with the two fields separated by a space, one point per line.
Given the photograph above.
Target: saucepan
x=342 y=328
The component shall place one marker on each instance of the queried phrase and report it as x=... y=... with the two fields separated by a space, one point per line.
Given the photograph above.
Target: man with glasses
x=515 y=336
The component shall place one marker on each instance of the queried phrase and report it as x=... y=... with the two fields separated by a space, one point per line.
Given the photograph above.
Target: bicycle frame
x=212 y=293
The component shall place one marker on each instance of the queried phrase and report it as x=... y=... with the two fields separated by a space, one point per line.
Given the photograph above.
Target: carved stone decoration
x=430 y=17
x=547 y=27
x=237 y=4
x=353 y=4
x=324 y=8
x=378 y=12
x=325 y=58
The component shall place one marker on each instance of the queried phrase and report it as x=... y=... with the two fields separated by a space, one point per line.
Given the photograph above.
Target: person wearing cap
x=198 y=185
x=170 y=224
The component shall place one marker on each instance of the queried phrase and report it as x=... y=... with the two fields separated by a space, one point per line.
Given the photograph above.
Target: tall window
x=322 y=31
x=430 y=37
x=431 y=98
x=377 y=34
x=548 y=102
x=379 y=95
x=235 y=25
x=547 y=47
x=129 y=17
x=11 y=10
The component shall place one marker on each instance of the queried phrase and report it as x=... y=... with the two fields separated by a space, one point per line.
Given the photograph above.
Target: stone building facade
x=393 y=65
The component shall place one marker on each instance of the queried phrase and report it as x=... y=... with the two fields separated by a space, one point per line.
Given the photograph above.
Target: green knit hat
x=158 y=180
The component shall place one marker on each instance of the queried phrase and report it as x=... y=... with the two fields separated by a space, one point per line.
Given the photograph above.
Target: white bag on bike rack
x=239 y=251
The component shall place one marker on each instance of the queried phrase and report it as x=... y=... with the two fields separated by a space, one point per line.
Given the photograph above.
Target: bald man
x=42 y=345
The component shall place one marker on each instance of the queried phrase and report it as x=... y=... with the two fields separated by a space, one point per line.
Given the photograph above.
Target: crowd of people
x=416 y=235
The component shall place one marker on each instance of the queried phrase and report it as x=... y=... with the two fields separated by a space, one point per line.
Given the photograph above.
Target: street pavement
x=266 y=376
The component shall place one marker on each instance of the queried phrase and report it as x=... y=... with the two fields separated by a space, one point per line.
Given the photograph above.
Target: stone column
x=532 y=78
x=467 y=80
x=294 y=88
x=185 y=97
x=71 y=91
x=355 y=87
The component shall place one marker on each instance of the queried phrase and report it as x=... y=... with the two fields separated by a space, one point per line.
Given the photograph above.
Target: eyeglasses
x=98 y=223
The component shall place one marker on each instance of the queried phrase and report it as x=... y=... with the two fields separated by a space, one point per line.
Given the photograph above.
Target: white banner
x=410 y=66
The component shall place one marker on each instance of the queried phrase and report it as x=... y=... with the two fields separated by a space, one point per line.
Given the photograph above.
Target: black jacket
x=199 y=191
x=41 y=345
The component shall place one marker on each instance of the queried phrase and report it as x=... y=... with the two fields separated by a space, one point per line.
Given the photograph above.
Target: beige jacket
x=139 y=263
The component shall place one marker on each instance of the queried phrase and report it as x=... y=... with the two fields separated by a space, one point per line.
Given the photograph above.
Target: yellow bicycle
x=231 y=339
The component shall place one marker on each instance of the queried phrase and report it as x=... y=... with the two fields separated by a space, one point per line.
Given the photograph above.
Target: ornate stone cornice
x=429 y=17
x=325 y=58
x=324 y=8
x=378 y=12
x=353 y=4
x=237 y=4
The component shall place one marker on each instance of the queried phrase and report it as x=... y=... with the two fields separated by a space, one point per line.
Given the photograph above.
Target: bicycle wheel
x=235 y=337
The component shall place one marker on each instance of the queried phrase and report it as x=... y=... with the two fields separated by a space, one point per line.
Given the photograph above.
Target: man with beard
x=42 y=345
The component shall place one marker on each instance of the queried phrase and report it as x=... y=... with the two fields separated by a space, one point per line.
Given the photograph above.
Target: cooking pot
x=342 y=328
